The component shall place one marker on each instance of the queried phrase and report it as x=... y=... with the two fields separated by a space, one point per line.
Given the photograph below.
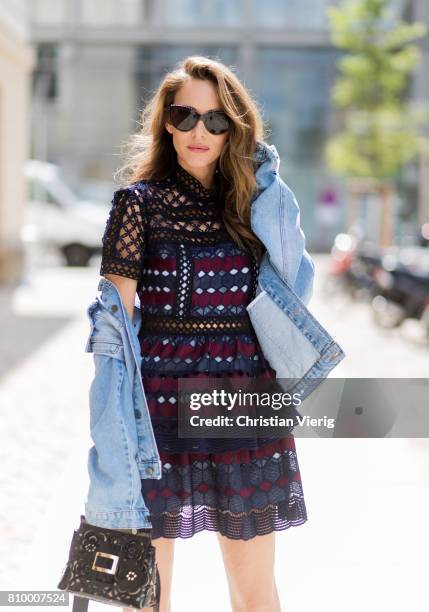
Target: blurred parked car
x=56 y=217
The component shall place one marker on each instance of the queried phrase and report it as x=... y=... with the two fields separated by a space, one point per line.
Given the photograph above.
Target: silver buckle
x=106 y=570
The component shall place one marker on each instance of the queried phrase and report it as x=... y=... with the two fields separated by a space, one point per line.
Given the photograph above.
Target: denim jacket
x=292 y=340
x=295 y=344
x=124 y=449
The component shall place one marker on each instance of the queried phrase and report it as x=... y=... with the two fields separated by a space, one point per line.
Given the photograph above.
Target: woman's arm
x=124 y=245
x=127 y=289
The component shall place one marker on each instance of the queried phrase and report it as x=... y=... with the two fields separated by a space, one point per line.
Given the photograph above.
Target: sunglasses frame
x=199 y=116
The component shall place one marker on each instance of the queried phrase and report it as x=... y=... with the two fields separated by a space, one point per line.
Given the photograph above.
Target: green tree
x=381 y=128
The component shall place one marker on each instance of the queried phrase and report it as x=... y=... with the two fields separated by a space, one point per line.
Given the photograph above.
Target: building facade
x=16 y=63
x=100 y=60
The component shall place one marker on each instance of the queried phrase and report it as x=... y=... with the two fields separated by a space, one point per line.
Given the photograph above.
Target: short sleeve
x=124 y=236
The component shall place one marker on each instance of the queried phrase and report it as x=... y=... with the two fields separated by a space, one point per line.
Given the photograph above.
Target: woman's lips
x=198 y=149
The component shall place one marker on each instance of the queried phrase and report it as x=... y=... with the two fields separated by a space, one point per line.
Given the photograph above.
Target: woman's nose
x=200 y=127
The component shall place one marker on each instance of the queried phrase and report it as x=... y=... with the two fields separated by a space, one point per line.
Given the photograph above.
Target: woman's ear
x=168 y=128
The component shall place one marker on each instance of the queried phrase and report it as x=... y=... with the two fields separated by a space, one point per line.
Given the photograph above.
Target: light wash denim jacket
x=293 y=341
x=295 y=344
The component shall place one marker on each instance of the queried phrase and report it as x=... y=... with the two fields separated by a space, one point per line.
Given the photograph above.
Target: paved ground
x=365 y=544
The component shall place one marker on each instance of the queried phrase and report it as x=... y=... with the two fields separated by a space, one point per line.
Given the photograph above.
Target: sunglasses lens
x=217 y=123
x=182 y=118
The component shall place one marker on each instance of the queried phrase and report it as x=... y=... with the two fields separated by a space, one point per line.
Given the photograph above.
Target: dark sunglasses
x=184 y=118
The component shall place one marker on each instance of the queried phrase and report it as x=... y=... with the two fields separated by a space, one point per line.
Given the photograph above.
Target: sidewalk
x=363 y=547
x=360 y=549
x=43 y=404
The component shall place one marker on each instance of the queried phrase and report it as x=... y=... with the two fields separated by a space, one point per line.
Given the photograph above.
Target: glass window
x=111 y=12
x=294 y=88
x=152 y=63
x=293 y=14
x=39 y=193
x=45 y=75
x=194 y=13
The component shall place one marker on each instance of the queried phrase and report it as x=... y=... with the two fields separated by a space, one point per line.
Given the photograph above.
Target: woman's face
x=202 y=95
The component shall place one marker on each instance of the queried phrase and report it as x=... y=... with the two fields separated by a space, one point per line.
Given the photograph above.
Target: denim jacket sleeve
x=275 y=218
x=114 y=498
x=300 y=271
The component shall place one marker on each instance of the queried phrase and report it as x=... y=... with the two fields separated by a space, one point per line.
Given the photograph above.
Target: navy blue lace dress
x=194 y=283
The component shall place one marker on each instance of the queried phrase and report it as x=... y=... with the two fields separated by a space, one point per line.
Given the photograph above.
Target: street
x=358 y=550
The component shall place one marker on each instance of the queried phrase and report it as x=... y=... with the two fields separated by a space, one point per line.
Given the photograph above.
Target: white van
x=57 y=218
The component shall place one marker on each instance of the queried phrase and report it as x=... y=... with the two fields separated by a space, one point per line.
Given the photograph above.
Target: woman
x=181 y=239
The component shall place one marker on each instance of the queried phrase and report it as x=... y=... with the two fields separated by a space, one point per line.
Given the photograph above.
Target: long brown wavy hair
x=150 y=154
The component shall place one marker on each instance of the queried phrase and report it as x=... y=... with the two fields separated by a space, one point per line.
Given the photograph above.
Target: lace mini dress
x=194 y=283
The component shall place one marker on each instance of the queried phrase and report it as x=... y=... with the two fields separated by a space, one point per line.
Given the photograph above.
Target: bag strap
x=80 y=604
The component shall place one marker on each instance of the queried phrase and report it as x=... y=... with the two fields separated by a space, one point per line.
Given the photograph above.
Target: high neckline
x=193 y=185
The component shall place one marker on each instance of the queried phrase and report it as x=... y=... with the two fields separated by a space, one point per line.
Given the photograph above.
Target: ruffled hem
x=192 y=520
x=240 y=494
